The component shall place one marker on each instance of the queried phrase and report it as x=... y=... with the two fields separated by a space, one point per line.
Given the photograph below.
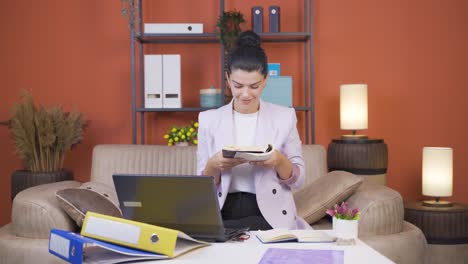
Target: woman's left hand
x=278 y=162
x=274 y=160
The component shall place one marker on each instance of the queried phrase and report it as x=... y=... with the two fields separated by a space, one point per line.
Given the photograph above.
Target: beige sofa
x=35 y=211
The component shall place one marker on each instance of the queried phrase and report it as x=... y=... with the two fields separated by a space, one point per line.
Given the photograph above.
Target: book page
x=312 y=236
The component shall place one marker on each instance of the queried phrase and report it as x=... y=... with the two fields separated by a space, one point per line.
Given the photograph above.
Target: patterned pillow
x=323 y=193
x=91 y=196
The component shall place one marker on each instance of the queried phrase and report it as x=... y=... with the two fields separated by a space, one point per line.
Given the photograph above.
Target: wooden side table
x=440 y=225
x=366 y=157
x=446 y=231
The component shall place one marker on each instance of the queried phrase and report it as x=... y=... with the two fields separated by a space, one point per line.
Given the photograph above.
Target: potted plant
x=42 y=137
x=345 y=222
x=228 y=29
x=182 y=136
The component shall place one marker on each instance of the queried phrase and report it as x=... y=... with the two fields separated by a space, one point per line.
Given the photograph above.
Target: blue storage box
x=211 y=97
x=274 y=69
x=278 y=91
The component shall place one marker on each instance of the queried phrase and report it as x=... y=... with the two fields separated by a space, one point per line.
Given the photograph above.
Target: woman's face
x=246 y=88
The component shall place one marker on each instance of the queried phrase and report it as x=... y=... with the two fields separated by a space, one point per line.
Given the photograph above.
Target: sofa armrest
x=36 y=210
x=381 y=209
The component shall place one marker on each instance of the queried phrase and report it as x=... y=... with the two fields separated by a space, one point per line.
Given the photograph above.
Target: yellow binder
x=169 y=242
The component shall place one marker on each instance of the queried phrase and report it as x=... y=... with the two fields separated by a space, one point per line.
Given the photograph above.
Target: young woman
x=252 y=194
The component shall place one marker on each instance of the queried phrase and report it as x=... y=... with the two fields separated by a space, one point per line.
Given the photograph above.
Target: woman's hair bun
x=248 y=38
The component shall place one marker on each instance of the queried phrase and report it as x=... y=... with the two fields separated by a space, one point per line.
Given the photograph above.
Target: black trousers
x=241 y=210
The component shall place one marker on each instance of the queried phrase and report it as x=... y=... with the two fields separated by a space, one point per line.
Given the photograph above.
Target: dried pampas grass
x=43 y=136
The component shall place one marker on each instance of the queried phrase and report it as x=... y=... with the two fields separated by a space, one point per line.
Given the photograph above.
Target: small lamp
x=437 y=175
x=353 y=109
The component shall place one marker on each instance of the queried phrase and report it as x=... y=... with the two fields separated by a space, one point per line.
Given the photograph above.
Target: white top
x=245 y=126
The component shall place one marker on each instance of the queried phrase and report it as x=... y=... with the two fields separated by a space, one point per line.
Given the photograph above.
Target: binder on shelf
x=171 y=81
x=173 y=28
x=274 y=15
x=278 y=91
x=153 y=81
x=156 y=239
x=257 y=19
x=75 y=248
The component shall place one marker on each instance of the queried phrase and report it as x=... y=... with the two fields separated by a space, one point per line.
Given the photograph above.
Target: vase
x=181 y=144
x=23 y=179
x=345 y=230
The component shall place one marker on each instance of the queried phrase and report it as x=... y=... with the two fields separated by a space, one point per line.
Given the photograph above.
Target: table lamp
x=437 y=175
x=353 y=109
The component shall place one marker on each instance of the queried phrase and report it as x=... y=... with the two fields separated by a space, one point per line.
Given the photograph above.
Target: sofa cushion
x=381 y=209
x=36 y=210
x=91 y=196
x=323 y=193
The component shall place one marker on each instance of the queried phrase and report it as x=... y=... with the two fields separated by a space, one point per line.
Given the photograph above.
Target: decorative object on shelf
x=186 y=135
x=257 y=19
x=42 y=138
x=274 y=14
x=211 y=97
x=228 y=30
x=129 y=9
x=345 y=223
x=437 y=175
x=353 y=109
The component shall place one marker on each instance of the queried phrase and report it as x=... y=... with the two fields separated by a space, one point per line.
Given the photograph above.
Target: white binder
x=171 y=81
x=153 y=81
x=173 y=28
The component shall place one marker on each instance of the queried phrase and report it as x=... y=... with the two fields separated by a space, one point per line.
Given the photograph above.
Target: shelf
x=213 y=37
x=198 y=109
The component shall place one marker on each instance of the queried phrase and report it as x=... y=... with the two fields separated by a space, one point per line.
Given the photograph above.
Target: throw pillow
x=323 y=193
x=91 y=196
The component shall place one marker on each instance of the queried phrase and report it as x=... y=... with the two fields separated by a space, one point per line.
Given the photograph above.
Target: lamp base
x=437 y=203
x=353 y=137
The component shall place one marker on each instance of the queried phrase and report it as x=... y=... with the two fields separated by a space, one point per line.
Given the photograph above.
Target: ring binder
x=274 y=15
x=257 y=19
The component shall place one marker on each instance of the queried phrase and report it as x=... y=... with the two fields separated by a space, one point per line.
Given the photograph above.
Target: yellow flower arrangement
x=182 y=134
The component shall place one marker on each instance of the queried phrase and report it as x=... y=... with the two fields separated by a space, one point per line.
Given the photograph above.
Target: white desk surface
x=251 y=251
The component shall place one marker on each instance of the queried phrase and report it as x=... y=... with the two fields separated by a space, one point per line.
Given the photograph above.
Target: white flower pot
x=345 y=229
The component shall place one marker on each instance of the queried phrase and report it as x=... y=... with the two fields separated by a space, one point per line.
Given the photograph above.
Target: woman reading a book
x=255 y=194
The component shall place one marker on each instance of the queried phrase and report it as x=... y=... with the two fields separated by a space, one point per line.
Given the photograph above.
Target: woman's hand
x=278 y=162
x=217 y=164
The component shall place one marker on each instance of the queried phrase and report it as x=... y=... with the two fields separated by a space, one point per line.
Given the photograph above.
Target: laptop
x=187 y=203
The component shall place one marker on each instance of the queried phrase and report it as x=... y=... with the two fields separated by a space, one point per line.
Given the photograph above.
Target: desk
x=251 y=251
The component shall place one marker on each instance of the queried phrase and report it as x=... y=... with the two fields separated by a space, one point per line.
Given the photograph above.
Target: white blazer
x=276 y=125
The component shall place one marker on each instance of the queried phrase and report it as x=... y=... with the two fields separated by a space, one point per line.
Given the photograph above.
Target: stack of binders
x=107 y=239
x=162 y=81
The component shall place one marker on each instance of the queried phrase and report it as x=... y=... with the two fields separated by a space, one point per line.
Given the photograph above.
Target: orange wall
x=412 y=54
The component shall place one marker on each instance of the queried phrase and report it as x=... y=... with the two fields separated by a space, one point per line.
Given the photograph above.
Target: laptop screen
x=183 y=202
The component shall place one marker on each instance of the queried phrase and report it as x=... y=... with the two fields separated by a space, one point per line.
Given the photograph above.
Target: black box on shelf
x=257 y=19
x=274 y=15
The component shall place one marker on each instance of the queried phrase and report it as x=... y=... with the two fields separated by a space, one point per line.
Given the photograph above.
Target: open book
x=250 y=153
x=285 y=235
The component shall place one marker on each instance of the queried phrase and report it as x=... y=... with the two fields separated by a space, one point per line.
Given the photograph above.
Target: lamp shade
x=353 y=106
x=437 y=171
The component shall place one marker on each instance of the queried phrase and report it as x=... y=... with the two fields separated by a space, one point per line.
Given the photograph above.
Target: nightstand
x=445 y=228
x=365 y=157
